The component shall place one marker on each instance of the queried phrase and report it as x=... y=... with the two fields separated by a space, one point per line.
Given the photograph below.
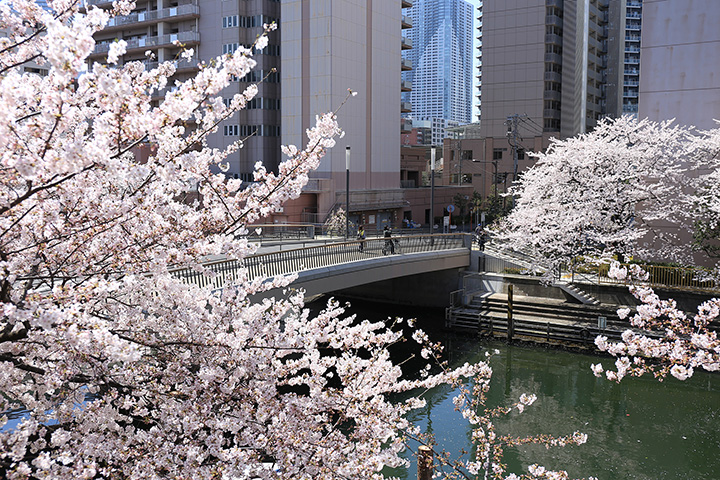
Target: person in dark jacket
x=389 y=244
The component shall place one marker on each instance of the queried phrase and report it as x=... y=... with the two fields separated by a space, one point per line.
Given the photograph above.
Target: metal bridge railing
x=229 y=272
x=676 y=278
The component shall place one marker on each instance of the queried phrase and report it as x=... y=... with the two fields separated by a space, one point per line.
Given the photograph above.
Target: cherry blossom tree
x=706 y=199
x=119 y=368
x=336 y=222
x=604 y=193
x=664 y=339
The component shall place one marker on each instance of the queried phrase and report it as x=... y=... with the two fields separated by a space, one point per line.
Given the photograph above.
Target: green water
x=639 y=429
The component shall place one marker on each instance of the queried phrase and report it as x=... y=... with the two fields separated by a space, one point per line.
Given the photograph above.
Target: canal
x=639 y=429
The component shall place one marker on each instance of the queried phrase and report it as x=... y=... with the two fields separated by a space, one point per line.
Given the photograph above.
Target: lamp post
x=347 y=192
x=432 y=189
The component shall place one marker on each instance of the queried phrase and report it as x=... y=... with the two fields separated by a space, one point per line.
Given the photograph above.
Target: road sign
x=450 y=208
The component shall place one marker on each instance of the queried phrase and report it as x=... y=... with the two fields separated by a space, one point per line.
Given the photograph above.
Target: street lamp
x=347 y=192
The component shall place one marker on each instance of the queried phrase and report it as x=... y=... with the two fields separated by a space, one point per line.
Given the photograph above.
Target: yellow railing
x=679 y=278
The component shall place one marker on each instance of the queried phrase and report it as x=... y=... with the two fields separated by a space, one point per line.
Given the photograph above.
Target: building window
x=229 y=48
x=259 y=103
x=551 y=124
x=230 y=21
x=231 y=130
x=497 y=153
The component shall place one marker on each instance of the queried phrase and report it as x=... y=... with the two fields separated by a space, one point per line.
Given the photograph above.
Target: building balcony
x=180 y=65
x=553 y=58
x=591 y=73
x=406 y=125
x=551 y=113
x=145 y=43
x=632 y=60
x=630 y=94
x=405 y=64
x=630 y=108
x=553 y=20
x=405 y=86
x=553 y=77
x=633 y=15
x=552 y=95
x=406 y=43
x=634 y=4
x=405 y=107
x=632 y=26
x=553 y=39
x=406 y=4
x=182 y=12
x=631 y=71
x=632 y=49
x=406 y=22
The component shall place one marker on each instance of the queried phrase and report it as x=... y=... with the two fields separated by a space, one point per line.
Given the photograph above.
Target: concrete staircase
x=577 y=293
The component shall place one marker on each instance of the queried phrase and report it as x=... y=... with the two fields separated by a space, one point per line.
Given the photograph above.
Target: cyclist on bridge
x=389 y=244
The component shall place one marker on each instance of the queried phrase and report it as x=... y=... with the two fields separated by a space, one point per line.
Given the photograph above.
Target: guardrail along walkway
x=229 y=272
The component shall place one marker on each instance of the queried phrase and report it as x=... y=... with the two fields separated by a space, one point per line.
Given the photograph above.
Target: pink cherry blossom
x=124 y=368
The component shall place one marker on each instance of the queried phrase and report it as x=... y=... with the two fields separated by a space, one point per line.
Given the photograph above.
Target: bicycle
x=391 y=246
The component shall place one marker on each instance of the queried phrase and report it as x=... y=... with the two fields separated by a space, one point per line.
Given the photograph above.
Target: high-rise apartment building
x=548 y=68
x=211 y=27
x=623 y=57
x=442 y=58
x=561 y=64
x=321 y=49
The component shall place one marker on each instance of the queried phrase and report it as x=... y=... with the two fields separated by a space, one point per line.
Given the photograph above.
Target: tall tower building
x=442 y=57
x=211 y=28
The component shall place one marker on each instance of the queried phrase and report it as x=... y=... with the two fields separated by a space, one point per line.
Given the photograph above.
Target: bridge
x=343 y=265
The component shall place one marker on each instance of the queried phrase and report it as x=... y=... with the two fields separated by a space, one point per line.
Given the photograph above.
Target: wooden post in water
x=510 y=325
x=425 y=463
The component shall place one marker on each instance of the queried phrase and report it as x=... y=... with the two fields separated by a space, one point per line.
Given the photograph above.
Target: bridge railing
x=229 y=272
x=676 y=278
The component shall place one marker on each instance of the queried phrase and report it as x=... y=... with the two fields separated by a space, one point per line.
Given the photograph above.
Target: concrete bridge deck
x=330 y=267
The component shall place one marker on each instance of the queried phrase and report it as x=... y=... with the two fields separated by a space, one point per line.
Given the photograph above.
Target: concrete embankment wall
x=606 y=294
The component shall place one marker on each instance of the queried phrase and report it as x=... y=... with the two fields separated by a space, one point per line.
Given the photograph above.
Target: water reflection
x=641 y=429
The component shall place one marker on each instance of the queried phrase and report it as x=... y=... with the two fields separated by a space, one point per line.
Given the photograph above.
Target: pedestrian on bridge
x=361 y=237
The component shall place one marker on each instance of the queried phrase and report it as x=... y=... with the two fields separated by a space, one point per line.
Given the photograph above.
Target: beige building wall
x=680 y=70
x=513 y=36
x=330 y=46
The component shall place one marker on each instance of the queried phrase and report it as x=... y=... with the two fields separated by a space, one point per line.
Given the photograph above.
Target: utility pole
x=512 y=135
x=347 y=192
x=458 y=158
